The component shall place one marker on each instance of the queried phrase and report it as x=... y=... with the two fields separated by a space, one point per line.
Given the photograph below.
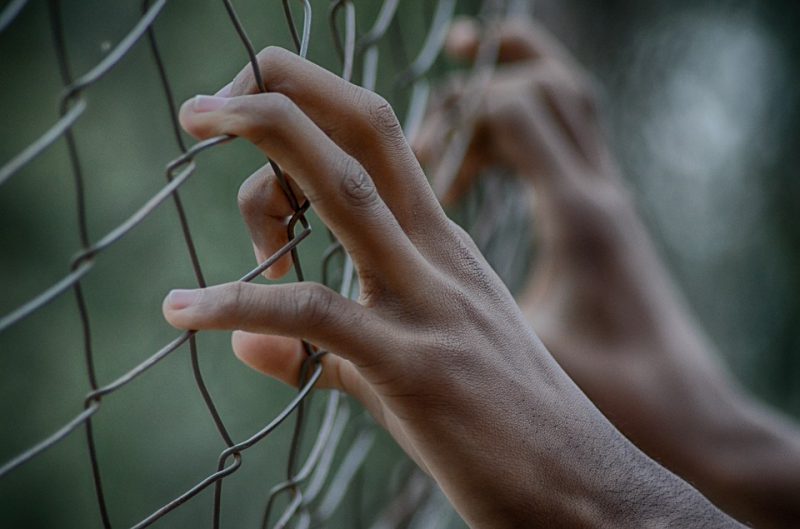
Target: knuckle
x=270 y=55
x=274 y=59
x=247 y=197
x=597 y=218
x=268 y=118
x=382 y=118
x=243 y=83
x=231 y=301
x=570 y=78
x=279 y=108
x=240 y=119
x=356 y=185
x=463 y=245
x=460 y=233
x=312 y=303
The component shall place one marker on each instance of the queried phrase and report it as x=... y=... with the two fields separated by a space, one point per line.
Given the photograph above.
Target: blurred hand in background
x=598 y=294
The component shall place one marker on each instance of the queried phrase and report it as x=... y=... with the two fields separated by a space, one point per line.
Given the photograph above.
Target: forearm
x=667 y=392
x=686 y=411
x=753 y=467
x=699 y=422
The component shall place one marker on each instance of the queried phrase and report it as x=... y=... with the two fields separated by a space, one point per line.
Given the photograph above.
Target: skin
x=436 y=347
x=599 y=296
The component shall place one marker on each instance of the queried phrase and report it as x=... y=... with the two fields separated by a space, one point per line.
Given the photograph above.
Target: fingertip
x=185 y=114
x=247 y=349
x=280 y=268
x=178 y=299
x=275 y=356
x=188 y=119
x=192 y=110
x=462 y=39
x=273 y=274
x=239 y=342
x=174 y=305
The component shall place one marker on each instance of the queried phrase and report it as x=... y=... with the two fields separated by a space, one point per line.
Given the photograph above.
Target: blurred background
x=703 y=109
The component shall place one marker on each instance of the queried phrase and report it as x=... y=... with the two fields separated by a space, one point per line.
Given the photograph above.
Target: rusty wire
x=308 y=505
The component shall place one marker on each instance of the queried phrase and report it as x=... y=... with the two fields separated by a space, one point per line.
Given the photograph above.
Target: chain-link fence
x=319 y=466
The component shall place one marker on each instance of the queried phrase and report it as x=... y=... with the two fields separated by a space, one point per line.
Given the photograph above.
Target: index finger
x=360 y=122
x=336 y=185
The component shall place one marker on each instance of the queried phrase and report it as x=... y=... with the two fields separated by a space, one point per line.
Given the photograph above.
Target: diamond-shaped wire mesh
x=316 y=478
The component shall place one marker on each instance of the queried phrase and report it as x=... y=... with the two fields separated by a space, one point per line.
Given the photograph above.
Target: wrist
x=652 y=496
x=556 y=463
x=754 y=465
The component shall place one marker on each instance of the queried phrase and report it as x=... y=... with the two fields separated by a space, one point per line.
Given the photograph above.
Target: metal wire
x=306 y=482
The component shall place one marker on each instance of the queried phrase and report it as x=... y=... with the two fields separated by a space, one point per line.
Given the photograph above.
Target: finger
x=557 y=121
x=282 y=358
x=519 y=126
x=452 y=176
x=520 y=40
x=362 y=123
x=434 y=138
x=338 y=187
x=277 y=356
x=571 y=106
x=298 y=310
x=546 y=156
x=266 y=211
x=475 y=160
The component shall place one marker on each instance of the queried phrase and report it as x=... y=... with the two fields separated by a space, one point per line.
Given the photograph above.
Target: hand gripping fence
x=313 y=495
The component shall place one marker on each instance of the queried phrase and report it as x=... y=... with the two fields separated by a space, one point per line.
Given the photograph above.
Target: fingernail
x=180 y=299
x=225 y=91
x=208 y=103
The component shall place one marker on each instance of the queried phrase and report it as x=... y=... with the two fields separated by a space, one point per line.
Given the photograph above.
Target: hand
x=537 y=116
x=598 y=294
x=435 y=347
